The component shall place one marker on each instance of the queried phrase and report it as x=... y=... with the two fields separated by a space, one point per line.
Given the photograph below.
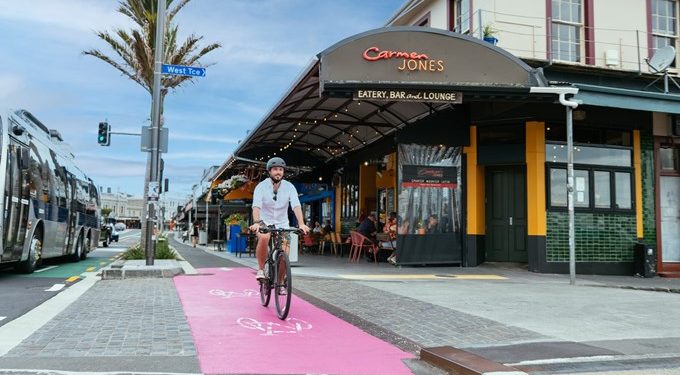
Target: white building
x=610 y=34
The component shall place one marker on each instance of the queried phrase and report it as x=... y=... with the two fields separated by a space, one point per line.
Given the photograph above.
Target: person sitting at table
x=367 y=227
x=327 y=228
x=391 y=225
x=317 y=228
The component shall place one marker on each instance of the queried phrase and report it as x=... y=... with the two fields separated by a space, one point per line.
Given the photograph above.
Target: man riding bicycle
x=271 y=199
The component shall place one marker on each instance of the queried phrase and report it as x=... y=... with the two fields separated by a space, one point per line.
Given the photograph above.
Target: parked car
x=120 y=227
x=108 y=234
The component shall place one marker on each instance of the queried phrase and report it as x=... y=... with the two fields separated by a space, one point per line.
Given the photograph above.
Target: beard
x=276 y=179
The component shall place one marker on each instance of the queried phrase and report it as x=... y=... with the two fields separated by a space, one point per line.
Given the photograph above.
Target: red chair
x=307 y=243
x=359 y=243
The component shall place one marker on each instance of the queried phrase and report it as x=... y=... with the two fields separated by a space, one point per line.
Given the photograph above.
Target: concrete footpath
x=529 y=323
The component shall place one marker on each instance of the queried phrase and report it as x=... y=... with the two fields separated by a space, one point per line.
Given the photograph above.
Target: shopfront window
x=670 y=158
x=430 y=194
x=603 y=166
x=624 y=199
x=593 y=188
x=602 y=189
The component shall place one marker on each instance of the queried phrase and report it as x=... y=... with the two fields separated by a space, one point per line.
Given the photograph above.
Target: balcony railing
x=531 y=38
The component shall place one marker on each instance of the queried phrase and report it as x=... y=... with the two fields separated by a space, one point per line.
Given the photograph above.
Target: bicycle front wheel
x=265 y=286
x=283 y=282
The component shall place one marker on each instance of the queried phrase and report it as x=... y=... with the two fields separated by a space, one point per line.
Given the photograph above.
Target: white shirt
x=275 y=212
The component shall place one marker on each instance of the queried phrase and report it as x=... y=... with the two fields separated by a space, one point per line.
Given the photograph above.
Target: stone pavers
x=135 y=317
x=421 y=322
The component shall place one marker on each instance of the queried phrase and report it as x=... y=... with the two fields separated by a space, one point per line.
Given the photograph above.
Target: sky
x=265 y=45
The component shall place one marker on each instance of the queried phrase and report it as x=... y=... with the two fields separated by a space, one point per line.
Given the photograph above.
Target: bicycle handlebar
x=264 y=230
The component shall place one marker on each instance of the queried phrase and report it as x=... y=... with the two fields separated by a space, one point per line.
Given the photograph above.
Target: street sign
x=153 y=190
x=146 y=140
x=181 y=70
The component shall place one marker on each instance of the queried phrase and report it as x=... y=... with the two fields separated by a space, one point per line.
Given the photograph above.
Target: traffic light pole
x=152 y=214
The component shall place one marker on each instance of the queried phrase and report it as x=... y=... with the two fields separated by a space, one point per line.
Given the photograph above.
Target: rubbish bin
x=644 y=260
x=236 y=243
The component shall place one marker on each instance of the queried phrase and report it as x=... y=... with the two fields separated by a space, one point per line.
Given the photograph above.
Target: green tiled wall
x=599 y=237
x=606 y=237
x=648 y=207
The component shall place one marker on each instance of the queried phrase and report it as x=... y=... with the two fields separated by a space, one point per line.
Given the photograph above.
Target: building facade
x=434 y=117
x=620 y=199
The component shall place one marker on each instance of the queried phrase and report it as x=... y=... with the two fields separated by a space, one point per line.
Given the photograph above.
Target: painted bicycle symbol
x=292 y=325
x=229 y=294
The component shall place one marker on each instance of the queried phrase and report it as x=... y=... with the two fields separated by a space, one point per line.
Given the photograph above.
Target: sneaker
x=283 y=291
x=260 y=275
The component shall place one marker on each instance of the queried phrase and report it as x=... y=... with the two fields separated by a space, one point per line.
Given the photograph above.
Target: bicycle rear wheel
x=283 y=285
x=265 y=286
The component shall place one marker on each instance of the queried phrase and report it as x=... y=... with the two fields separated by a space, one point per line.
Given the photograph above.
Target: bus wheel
x=85 y=249
x=34 y=254
x=77 y=251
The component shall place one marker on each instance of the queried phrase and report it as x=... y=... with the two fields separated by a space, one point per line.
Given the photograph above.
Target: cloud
x=265 y=45
x=184 y=136
x=75 y=15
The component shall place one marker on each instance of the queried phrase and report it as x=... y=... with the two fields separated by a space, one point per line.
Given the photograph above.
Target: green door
x=506 y=218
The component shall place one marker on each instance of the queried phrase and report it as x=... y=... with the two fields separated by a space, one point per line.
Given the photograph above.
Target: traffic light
x=103 y=135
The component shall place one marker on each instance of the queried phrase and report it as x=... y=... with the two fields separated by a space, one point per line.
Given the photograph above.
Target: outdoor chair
x=326 y=239
x=307 y=243
x=359 y=243
x=338 y=243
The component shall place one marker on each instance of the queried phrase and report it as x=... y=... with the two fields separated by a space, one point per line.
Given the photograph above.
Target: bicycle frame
x=277 y=272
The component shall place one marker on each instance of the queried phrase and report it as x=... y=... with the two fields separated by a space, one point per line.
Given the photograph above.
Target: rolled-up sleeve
x=257 y=197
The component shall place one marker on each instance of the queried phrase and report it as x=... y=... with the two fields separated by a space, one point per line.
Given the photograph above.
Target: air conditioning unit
x=611 y=57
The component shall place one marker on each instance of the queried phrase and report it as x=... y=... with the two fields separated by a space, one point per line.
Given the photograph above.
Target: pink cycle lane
x=234 y=334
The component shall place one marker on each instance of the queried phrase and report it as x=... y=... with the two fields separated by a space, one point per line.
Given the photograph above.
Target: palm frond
x=173 y=12
x=135 y=48
x=125 y=72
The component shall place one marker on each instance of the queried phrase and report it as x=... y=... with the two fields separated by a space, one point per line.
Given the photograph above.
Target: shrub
x=163 y=251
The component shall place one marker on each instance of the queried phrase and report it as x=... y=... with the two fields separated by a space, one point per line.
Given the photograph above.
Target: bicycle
x=277 y=272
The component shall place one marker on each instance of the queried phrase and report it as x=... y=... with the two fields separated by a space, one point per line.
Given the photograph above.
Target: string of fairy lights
x=355 y=138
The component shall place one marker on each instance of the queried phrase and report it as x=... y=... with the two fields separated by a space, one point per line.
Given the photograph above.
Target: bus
x=49 y=207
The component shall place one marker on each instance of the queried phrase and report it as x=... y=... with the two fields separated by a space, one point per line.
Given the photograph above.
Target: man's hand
x=255 y=227
x=304 y=228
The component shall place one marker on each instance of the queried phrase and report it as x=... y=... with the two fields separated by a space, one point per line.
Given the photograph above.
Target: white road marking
x=17 y=330
x=55 y=288
x=46 y=268
x=3 y=317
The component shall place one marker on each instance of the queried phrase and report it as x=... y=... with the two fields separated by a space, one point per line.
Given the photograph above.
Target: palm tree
x=134 y=53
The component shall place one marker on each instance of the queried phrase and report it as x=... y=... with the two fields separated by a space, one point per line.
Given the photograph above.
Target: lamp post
x=569 y=104
x=152 y=212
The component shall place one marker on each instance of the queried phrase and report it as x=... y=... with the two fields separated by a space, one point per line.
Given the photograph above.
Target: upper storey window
x=664 y=23
x=567 y=29
x=463 y=16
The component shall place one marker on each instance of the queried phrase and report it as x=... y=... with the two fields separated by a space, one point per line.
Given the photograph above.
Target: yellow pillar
x=535 y=158
x=475 y=188
x=637 y=168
